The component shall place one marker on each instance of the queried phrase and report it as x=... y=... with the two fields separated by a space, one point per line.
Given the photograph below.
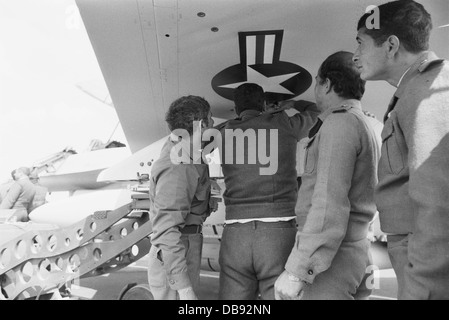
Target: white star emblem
x=269 y=84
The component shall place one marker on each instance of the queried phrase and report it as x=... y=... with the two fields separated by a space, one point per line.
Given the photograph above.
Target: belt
x=192 y=229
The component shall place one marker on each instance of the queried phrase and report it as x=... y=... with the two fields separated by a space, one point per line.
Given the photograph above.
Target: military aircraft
x=150 y=53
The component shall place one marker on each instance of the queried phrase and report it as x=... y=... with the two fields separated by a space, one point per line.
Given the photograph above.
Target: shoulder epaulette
x=342 y=109
x=427 y=65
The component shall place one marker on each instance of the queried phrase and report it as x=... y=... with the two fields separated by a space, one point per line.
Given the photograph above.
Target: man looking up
x=180 y=192
x=336 y=199
x=412 y=195
x=260 y=197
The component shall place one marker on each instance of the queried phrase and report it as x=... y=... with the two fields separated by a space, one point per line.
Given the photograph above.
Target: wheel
x=136 y=292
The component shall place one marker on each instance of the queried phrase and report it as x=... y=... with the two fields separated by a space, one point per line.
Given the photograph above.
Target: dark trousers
x=252 y=256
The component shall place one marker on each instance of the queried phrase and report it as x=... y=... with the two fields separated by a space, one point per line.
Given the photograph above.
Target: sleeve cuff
x=305 y=272
x=179 y=281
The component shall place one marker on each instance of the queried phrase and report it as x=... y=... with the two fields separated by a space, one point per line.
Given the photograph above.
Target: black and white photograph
x=236 y=151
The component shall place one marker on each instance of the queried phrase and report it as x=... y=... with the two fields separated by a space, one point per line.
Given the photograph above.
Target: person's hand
x=213 y=204
x=215 y=186
x=286 y=104
x=187 y=294
x=279 y=106
x=288 y=287
x=298 y=105
x=271 y=107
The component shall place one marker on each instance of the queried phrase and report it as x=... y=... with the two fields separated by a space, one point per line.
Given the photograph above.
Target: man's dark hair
x=249 y=96
x=185 y=110
x=343 y=75
x=405 y=19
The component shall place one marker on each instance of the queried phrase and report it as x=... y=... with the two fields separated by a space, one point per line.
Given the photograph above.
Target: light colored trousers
x=157 y=276
x=348 y=277
x=433 y=286
x=397 y=251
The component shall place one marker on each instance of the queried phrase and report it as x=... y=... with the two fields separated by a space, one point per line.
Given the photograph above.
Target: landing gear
x=135 y=291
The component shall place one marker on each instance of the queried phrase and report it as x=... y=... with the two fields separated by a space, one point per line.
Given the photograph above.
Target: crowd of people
x=285 y=240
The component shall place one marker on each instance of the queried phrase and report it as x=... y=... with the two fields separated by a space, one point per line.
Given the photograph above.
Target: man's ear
x=392 y=45
x=328 y=85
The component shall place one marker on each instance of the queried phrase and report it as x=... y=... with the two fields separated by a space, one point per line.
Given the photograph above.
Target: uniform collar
x=249 y=114
x=424 y=61
x=344 y=106
x=402 y=78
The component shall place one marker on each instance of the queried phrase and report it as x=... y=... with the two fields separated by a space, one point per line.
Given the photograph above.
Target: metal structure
x=47 y=259
x=50 y=163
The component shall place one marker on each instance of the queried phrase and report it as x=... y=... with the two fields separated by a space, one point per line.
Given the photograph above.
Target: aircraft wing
x=153 y=51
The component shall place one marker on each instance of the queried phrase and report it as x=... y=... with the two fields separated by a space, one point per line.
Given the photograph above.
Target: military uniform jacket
x=251 y=194
x=179 y=196
x=20 y=195
x=413 y=192
x=336 y=198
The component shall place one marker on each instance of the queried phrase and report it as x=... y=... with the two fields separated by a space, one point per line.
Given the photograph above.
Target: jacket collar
x=425 y=60
x=249 y=114
x=345 y=105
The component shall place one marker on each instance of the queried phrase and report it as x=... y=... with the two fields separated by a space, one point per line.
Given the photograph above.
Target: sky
x=45 y=55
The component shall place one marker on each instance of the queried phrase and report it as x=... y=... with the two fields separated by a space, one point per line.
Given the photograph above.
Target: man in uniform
x=4 y=187
x=412 y=195
x=260 y=197
x=180 y=191
x=40 y=197
x=336 y=200
x=20 y=196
